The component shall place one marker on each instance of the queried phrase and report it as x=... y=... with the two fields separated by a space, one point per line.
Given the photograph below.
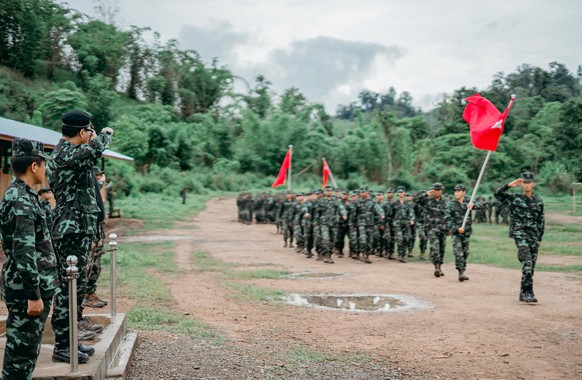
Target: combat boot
x=87 y=350
x=83 y=334
x=91 y=300
x=401 y=259
x=285 y=244
x=309 y=254
x=421 y=256
x=441 y=270
x=87 y=324
x=391 y=256
x=532 y=297
x=437 y=271
x=410 y=253
x=523 y=295
x=291 y=244
x=64 y=355
x=365 y=259
x=340 y=254
x=462 y=276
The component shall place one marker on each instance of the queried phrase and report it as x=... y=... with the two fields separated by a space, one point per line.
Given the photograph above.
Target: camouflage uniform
x=342 y=229
x=388 y=231
x=527 y=229
x=286 y=216
x=455 y=214
x=420 y=228
x=403 y=215
x=436 y=225
x=298 y=225
x=365 y=211
x=391 y=239
x=307 y=226
x=353 y=227
x=30 y=271
x=75 y=219
x=97 y=250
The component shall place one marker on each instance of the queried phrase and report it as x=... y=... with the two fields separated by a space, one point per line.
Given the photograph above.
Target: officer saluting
x=527 y=228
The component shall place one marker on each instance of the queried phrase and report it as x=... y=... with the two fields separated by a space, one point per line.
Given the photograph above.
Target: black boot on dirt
x=523 y=294
x=532 y=297
x=437 y=271
x=462 y=276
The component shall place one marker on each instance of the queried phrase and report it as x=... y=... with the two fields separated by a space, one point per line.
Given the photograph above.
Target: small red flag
x=485 y=122
x=282 y=177
x=326 y=173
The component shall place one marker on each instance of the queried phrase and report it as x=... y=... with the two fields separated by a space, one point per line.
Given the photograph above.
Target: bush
x=555 y=178
x=152 y=185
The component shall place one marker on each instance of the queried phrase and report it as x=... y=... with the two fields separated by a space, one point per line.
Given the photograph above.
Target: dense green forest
x=186 y=126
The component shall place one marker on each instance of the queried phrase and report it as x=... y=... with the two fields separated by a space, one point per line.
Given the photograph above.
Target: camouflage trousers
x=23 y=335
x=94 y=267
x=246 y=216
x=527 y=254
x=80 y=246
x=298 y=233
x=353 y=236
x=364 y=239
x=461 y=250
x=308 y=236
x=402 y=236
x=287 y=231
x=327 y=238
x=342 y=231
x=437 y=240
x=422 y=237
x=412 y=237
x=390 y=241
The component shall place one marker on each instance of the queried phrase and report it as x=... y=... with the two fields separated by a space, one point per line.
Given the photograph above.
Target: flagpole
x=474 y=194
x=330 y=173
x=290 y=167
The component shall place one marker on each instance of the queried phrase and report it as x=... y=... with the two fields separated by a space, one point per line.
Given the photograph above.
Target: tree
x=259 y=98
x=56 y=103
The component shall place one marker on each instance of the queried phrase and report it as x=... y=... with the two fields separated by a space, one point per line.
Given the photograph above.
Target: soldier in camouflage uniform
x=297 y=223
x=353 y=225
x=365 y=210
x=343 y=228
x=390 y=238
x=30 y=274
x=286 y=218
x=75 y=215
x=527 y=228
x=420 y=228
x=413 y=227
x=97 y=248
x=460 y=237
x=307 y=223
x=378 y=231
x=45 y=196
x=435 y=207
x=402 y=219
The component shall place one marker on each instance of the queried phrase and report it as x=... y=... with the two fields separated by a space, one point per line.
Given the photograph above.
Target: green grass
x=563 y=204
x=245 y=292
x=259 y=273
x=206 y=263
x=151 y=318
x=490 y=244
x=306 y=355
x=159 y=211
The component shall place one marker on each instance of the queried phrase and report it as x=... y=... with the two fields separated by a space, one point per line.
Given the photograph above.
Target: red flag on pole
x=282 y=177
x=326 y=173
x=485 y=122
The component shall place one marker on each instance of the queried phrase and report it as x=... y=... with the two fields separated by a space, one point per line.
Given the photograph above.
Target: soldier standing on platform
x=30 y=275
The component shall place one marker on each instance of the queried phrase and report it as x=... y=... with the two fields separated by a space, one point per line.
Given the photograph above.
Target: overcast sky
x=332 y=49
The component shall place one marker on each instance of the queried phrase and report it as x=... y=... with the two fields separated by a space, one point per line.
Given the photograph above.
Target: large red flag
x=485 y=122
x=282 y=177
x=326 y=173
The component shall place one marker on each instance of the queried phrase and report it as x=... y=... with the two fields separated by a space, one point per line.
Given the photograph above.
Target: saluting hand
x=430 y=193
x=35 y=308
x=516 y=183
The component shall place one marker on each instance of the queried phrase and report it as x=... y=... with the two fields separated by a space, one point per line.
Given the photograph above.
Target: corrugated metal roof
x=9 y=129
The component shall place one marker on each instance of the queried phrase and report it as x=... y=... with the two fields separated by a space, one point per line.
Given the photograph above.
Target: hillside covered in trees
x=175 y=113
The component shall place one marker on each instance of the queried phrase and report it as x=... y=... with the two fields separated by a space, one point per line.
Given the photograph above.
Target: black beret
x=437 y=186
x=76 y=119
x=401 y=189
x=527 y=177
x=460 y=187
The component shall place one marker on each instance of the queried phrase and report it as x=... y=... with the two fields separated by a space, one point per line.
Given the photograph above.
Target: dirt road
x=475 y=329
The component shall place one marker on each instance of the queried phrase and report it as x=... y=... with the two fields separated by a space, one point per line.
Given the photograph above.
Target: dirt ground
x=473 y=330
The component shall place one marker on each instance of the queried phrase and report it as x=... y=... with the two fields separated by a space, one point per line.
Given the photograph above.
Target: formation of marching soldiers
x=384 y=224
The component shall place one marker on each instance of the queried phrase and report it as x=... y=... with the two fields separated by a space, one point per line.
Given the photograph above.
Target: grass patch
x=258 y=273
x=245 y=292
x=304 y=355
x=209 y=264
x=150 y=318
x=159 y=211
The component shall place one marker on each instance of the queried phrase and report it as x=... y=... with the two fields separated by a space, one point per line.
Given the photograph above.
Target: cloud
x=321 y=65
x=216 y=41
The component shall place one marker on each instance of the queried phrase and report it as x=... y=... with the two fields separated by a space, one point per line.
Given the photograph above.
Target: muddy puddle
x=315 y=275
x=359 y=302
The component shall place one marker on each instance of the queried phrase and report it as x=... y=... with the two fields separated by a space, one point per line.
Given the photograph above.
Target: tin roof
x=9 y=129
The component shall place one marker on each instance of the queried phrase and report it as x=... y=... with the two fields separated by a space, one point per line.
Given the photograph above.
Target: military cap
x=300 y=194
x=76 y=119
x=25 y=147
x=44 y=189
x=328 y=188
x=408 y=194
x=319 y=191
x=401 y=189
x=97 y=170
x=344 y=192
x=437 y=186
x=460 y=187
x=390 y=190
x=527 y=177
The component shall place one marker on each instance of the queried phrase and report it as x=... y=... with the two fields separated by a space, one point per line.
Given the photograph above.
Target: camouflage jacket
x=402 y=213
x=73 y=183
x=527 y=214
x=455 y=214
x=306 y=209
x=48 y=211
x=366 y=209
x=434 y=211
x=31 y=264
x=352 y=214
